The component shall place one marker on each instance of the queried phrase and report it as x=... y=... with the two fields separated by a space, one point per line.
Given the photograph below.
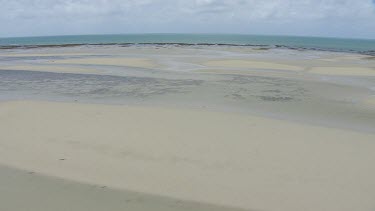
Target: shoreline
x=370 y=53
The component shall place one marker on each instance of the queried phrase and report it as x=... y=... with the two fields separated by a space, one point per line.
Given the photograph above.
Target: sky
x=332 y=18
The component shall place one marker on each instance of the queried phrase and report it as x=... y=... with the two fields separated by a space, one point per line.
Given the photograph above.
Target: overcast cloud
x=342 y=18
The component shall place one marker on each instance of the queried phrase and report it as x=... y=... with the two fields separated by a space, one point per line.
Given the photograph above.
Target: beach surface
x=226 y=159
x=33 y=189
x=166 y=127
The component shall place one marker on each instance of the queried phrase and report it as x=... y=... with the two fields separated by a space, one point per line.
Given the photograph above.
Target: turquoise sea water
x=312 y=43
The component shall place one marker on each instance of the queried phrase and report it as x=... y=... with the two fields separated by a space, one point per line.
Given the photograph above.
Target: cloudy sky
x=337 y=18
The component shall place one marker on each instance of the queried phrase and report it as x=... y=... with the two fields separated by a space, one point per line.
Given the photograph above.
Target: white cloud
x=232 y=16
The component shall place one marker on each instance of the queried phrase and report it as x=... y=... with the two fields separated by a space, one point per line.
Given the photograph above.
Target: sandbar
x=128 y=62
x=251 y=65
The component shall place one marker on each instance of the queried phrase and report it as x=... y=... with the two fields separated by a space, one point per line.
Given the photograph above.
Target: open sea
x=363 y=46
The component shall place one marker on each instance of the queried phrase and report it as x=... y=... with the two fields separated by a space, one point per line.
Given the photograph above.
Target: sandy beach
x=186 y=128
x=33 y=189
x=128 y=62
x=240 y=161
x=51 y=68
x=251 y=65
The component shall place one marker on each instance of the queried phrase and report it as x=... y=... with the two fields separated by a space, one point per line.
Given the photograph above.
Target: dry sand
x=31 y=191
x=347 y=71
x=46 y=54
x=128 y=62
x=251 y=65
x=50 y=68
x=219 y=158
x=370 y=101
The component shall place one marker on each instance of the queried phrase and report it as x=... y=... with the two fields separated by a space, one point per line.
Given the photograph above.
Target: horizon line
x=169 y=33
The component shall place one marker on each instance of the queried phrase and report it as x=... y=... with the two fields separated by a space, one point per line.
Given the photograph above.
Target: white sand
x=31 y=191
x=370 y=102
x=128 y=62
x=348 y=71
x=251 y=65
x=50 y=68
x=271 y=73
x=220 y=158
x=47 y=54
x=331 y=70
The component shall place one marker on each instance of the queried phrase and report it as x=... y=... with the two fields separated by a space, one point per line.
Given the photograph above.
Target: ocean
x=363 y=46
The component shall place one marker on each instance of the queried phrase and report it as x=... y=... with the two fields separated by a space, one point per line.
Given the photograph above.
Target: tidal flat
x=323 y=88
x=173 y=127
